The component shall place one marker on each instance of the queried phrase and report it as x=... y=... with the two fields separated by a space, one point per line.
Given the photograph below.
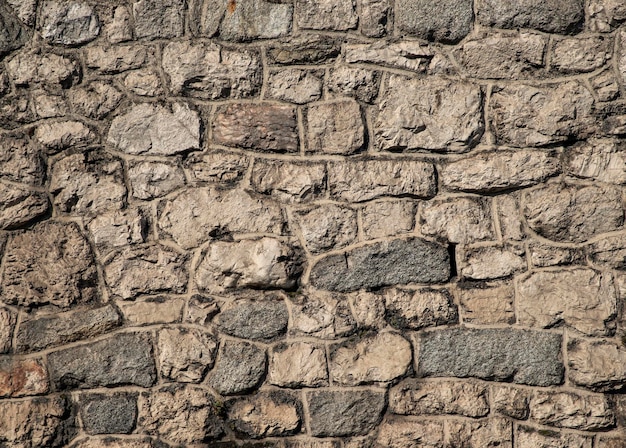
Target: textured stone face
x=185 y=355
x=14 y=34
x=289 y=182
x=488 y=303
x=239 y=368
x=322 y=315
x=326 y=14
x=109 y=414
x=298 y=364
x=327 y=227
x=69 y=24
x=21 y=160
x=439 y=218
x=266 y=415
x=52 y=69
x=151 y=180
x=257 y=19
x=492 y=432
x=20 y=378
x=19 y=205
x=491 y=262
x=569 y=410
x=7 y=325
x=116 y=59
x=303 y=50
x=598 y=159
x=254 y=320
x=414 y=310
x=335 y=128
x=295 y=85
x=596 y=364
x=447 y=21
x=158 y=18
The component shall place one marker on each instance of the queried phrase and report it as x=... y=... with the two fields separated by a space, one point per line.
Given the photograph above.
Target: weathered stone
x=118 y=229
x=251 y=319
x=24 y=9
x=491 y=262
x=217 y=166
x=363 y=180
x=14 y=34
x=605 y=85
x=323 y=315
x=155 y=130
x=58 y=136
x=520 y=356
x=297 y=364
x=360 y=83
x=447 y=21
x=267 y=414
x=387 y=218
x=586 y=412
x=510 y=401
x=608 y=252
x=201 y=309
x=374 y=16
x=580 y=54
x=368 y=309
x=57 y=274
x=149 y=180
x=88 y=183
x=407 y=55
x=582 y=298
x=259 y=127
x=21 y=161
x=118 y=360
x=383 y=264
x=16 y=110
x=596 y=364
x=32 y=68
x=146 y=270
x=240 y=368
x=108 y=414
x=114 y=442
x=378 y=358
x=552 y=16
x=500 y=170
x=414 y=310
x=295 y=443
x=429 y=113
x=195 y=215
x=527 y=437
x=116 y=59
x=20 y=205
x=440 y=218
x=71 y=23
x=96 y=100
x=34 y=423
x=303 y=49
x=335 y=128
x=256 y=19
x=289 y=181
x=58 y=329
x=524 y=115
x=598 y=159
x=494 y=432
x=206 y=16
x=48 y=105
x=183 y=415
x=7 y=325
x=415 y=397
x=159 y=18
x=610 y=442
x=544 y=255
x=605 y=15
x=206 y=70
x=22 y=377
x=573 y=213
x=409 y=433
x=154 y=310
x=327 y=227
x=120 y=29
x=144 y=82
x=326 y=15
x=295 y=85
x=487 y=303
x=185 y=355
x=263 y=264
x=344 y=413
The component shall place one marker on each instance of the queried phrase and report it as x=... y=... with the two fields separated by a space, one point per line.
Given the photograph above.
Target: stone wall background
x=312 y=223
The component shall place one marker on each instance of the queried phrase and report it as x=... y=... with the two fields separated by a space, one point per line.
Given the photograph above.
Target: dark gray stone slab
x=254 y=320
x=109 y=414
x=240 y=368
x=13 y=34
x=443 y=20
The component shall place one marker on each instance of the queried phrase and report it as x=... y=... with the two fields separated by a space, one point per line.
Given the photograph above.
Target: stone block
x=266 y=414
x=289 y=181
x=297 y=364
x=185 y=355
x=240 y=368
x=418 y=309
x=335 y=128
x=156 y=19
x=448 y=21
x=22 y=377
x=327 y=227
x=108 y=414
x=20 y=206
x=597 y=364
x=71 y=23
x=326 y=14
x=253 y=319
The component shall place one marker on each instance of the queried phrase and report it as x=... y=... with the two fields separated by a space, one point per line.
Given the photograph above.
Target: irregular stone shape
x=303 y=49
x=55 y=273
x=113 y=442
x=404 y=433
x=491 y=262
x=500 y=170
x=155 y=130
x=153 y=310
x=262 y=264
x=19 y=205
x=416 y=397
x=527 y=437
x=487 y=433
x=387 y=218
x=312 y=444
x=297 y=364
x=58 y=136
x=266 y=414
x=446 y=21
x=511 y=401
x=71 y=23
x=156 y=19
x=257 y=19
x=259 y=127
x=120 y=29
x=326 y=15
x=146 y=270
x=605 y=85
x=608 y=252
x=24 y=9
x=580 y=54
x=414 y=310
x=585 y=412
x=144 y=82
x=598 y=159
x=122 y=359
x=573 y=213
x=509 y=214
x=520 y=356
x=552 y=16
x=58 y=329
x=22 y=377
x=116 y=59
x=596 y=364
x=323 y=315
x=524 y=115
x=108 y=414
x=440 y=218
x=544 y=255
x=583 y=299
x=289 y=181
x=379 y=358
x=295 y=85
x=406 y=55
x=360 y=83
x=181 y=414
x=21 y=161
x=96 y=100
x=151 y=180
x=14 y=34
x=240 y=368
x=208 y=71
x=88 y=183
x=201 y=309
x=609 y=442
x=48 y=105
x=7 y=325
x=205 y=16
x=362 y=180
x=605 y=15
x=38 y=422
x=344 y=413
x=383 y=264
x=185 y=355
x=16 y=110
x=327 y=227
x=335 y=128
x=193 y=216
x=118 y=229
x=374 y=16
x=217 y=166
x=368 y=309
x=250 y=319
x=29 y=68
x=487 y=303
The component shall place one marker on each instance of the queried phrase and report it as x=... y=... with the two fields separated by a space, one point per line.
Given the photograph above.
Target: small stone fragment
x=73 y=23
x=109 y=414
x=29 y=68
x=297 y=364
x=440 y=218
x=267 y=414
x=493 y=432
x=446 y=21
x=255 y=19
x=359 y=83
x=335 y=128
x=334 y=15
x=487 y=303
x=576 y=54
x=116 y=59
x=414 y=310
x=118 y=229
x=21 y=161
x=19 y=205
x=289 y=181
x=153 y=310
x=602 y=160
x=585 y=412
x=240 y=368
x=7 y=325
x=149 y=180
x=58 y=136
x=491 y=262
x=250 y=319
x=22 y=377
x=374 y=17
x=511 y=401
x=327 y=227
x=596 y=364
x=217 y=166
x=510 y=216
x=323 y=315
x=156 y=19
x=185 y=355
x=95 y=100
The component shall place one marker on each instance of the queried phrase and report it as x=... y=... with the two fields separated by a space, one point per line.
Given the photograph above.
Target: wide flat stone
x=445 y=21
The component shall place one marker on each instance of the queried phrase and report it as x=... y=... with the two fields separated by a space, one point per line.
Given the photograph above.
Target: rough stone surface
x=544 y=255
x=326 y=15
x=605 y=15
x=158 y=18
x=109 y=414
x=580 y=55
x=597 y=364
x=321 y=315
x=297 y=364
x=383 y=264
x=295 y=85
x=111 y=60
x=408 y=55
x=14 y=34
x=335 y=128
x=256 y=19
x=487 y=303
x=119 y=29
x=327 y=227
x=491 y=262
x=306 y=49
x=24 y=377
x=151 y=180
x=185 y=355
x=487 y=433
x=267 y=414
x=598 y=159
x=521 y=356
x=31 y=68
x=144 y=82
x=117 y=229
x=253 y=319
x=571 y=410
x=414 y=310
x=359 y=83
x=217 y=167
x=7 y=325
x=69 y=23
x=447 y=21
x=608 y=252
x=387 y=218
x=240 y=367
x=58 y=136
x=154 y=310
x=530 y=438
x=289 y=182
x=402 y=433
x=21 y=161
x=95 y=100
x=19 y=206
x=438 y=218
x=511 y=401
x=122 y=359
x=374 y=17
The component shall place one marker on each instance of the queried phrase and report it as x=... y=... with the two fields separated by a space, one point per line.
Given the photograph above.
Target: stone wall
x=312 y=223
